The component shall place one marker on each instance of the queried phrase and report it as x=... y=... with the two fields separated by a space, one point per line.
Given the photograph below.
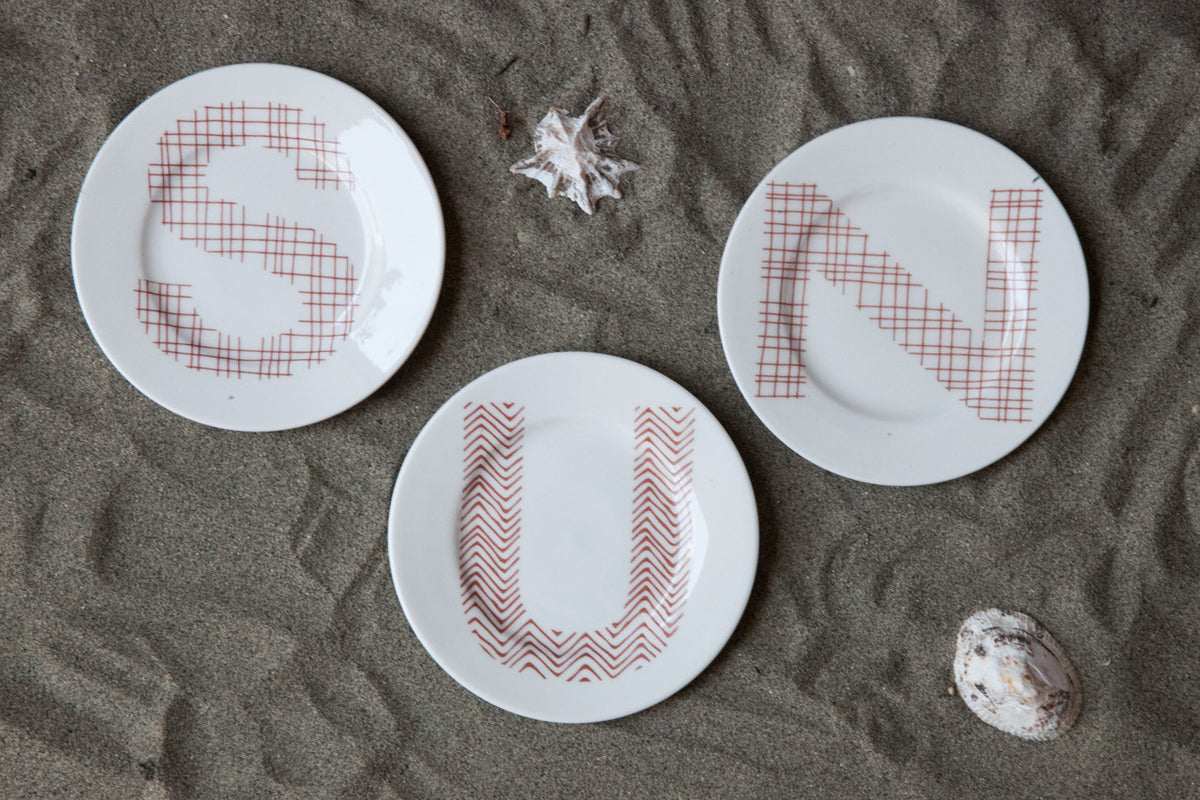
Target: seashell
x=575 y=156
x=1013 y=674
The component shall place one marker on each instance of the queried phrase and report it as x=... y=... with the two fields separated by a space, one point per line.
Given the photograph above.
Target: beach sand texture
x=188 y=612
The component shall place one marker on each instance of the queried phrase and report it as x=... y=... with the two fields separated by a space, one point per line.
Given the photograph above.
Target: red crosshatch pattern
x=490 y=551
x=991 y=370
x=325 y=279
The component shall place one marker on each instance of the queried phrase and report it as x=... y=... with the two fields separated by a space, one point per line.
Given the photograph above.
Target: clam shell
x=1013 y=674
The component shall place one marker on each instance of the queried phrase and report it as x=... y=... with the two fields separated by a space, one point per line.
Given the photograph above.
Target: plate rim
x=436 y=266
x=742 y=221
x=739 y=598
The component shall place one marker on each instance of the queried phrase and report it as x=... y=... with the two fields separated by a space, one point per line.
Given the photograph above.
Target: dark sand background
x=195 y=613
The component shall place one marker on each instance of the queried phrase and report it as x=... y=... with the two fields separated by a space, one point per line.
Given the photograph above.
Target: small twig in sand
x=505 y=127
x=507 y=64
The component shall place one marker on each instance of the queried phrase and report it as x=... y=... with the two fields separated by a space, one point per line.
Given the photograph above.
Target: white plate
x=573 y=537
x=903 y=301
x=257 y=247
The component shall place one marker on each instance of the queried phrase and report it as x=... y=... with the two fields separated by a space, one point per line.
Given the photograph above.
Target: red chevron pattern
x=991 y=371
x=489 y=548
x=325 y=278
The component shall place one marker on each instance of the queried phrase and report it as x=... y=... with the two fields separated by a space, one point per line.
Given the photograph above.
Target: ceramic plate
x=903 y=301
x=573 y=537
x=257 y=247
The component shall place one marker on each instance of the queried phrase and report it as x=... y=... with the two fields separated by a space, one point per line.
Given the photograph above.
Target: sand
x=196 y=613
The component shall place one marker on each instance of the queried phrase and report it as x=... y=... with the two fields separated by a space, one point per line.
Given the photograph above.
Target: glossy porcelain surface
x=573 y=537
x=903 y=301
x=257 y=247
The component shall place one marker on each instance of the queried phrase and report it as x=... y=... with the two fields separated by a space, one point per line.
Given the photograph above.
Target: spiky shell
x=1013 y=674
x=575 y=156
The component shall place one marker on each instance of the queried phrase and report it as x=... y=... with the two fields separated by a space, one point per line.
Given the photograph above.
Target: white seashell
x=575 y=156
x=1013 y=674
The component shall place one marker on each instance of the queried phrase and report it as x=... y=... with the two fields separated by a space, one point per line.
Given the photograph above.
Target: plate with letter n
x=903 y=301
x=573 y=537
